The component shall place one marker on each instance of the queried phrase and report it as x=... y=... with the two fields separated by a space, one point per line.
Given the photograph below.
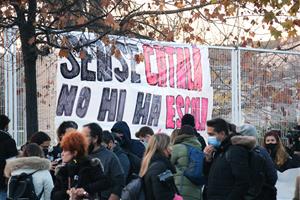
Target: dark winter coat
x=124 y=160
x=89 y=176
x=154 y=188
x=8 y=149
x=112 y=170
x=229 y=172
x=271 y=172
x=128 y=144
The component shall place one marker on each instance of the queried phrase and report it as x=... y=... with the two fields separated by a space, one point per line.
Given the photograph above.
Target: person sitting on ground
x=180 y=158
x=111 y=144
x=154 y=164
x=80 y=177
x=189 y=119
x=144 y=134
x=32 y=161
x=8 y=149
x=111 y=164
x=265 y=188
x=43 y=140
x=122 y=130
x=278 y=153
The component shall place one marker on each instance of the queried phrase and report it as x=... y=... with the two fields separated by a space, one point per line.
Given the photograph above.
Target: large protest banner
x=144 y=83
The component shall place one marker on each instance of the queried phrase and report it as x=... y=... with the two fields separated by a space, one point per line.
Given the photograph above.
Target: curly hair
x=75 y=141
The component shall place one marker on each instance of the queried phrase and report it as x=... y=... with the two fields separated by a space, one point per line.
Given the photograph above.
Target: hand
x=208 y=151
x=81 y=192
x=53 y=165
x=72 y=193
x=114 y=197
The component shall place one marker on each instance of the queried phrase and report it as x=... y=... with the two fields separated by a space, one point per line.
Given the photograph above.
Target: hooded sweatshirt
x=126 y=143
x=41 y=179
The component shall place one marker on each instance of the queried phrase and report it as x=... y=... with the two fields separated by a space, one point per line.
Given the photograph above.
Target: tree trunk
x=27 y=31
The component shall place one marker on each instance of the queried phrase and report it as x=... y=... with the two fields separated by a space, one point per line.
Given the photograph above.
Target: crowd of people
x=91 y=163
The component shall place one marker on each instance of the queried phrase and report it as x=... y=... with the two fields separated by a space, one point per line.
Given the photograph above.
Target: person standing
x=157 y=170
x=32 y=161
x=111 y=164
x=80 y=177
x=144 y=134
x=226 y=164
x=43 y=140
x=189 y=119
x=180 y=158
x=8 y=149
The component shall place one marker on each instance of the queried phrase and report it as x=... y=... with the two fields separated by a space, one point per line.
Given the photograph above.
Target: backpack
x=134 y=190
x=21 y=187
x=135 y=166
x=257 y=166
x=194 y=170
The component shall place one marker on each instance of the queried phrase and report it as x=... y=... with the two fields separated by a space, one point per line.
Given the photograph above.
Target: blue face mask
x=212 y=140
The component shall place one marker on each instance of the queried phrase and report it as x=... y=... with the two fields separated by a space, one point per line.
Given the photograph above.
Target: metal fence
x=255 y=86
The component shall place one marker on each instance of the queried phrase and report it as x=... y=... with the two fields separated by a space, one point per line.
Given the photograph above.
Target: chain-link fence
x=255 y=86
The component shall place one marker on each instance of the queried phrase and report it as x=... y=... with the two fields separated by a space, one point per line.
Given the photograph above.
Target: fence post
x=235 y=87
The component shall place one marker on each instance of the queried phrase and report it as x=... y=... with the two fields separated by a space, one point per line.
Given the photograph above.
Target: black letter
x=83 y=102
x=121 y=106
x=140 y=110
x=108 y=104
x=87 y=75
x=121 y=75
x=66 y=100
x=155 y=110
x=69 y=74
x=104 y=71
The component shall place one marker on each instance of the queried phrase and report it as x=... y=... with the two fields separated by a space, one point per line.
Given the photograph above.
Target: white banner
x=143 y=83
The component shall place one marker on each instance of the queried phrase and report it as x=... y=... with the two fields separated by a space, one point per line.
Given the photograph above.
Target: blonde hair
x=157 y=144
x=174 y=134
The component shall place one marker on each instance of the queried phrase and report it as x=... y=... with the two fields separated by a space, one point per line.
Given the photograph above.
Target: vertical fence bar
x=234 y=86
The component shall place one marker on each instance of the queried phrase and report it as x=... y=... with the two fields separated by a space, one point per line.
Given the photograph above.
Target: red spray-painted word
x=178 y=106
x=185 y=79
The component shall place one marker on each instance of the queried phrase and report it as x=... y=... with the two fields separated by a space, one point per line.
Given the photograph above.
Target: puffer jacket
x=180 y=158
x=229 y=172
x=84 y=173
x=41 y=179
x=128 y=144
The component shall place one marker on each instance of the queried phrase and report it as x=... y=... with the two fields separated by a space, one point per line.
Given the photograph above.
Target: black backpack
x=135 y=166
x=134 y=190
x=21 y=187
x=257 y=166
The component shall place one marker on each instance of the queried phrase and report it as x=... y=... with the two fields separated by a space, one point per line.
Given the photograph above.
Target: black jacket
x=8 y=149
x=154 y=188
x=128 y=144
x=86 y=174
x=112 y=170
x=228 y=177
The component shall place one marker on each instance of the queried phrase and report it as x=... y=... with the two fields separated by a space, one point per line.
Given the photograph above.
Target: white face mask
x=145 y=143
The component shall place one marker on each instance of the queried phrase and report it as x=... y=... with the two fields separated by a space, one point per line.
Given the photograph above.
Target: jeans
x=3 y=194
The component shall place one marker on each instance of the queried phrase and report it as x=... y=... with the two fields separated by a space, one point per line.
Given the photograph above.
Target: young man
x=112 y=167
x=144 y=134
x=227 y=164
x=8 y=149
x=189 y=119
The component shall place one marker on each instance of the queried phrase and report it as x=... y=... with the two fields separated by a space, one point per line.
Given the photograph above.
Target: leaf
x=81 y=20
x=63 y=53
x=117 y=53
x=139 y=58
x=274 y=32
x=82 y=55
x=110 y=21
x=292 y=33
x=31 y=40
x=104 y=3
x=179 y=4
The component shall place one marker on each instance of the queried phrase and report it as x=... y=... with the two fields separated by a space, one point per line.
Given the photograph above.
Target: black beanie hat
x=187 y=130
x=188 y=119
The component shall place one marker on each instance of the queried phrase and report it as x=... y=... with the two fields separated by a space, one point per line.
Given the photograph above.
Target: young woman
x=33 y=161
x=278 y=153
x=157 y=171
x=80 y=177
